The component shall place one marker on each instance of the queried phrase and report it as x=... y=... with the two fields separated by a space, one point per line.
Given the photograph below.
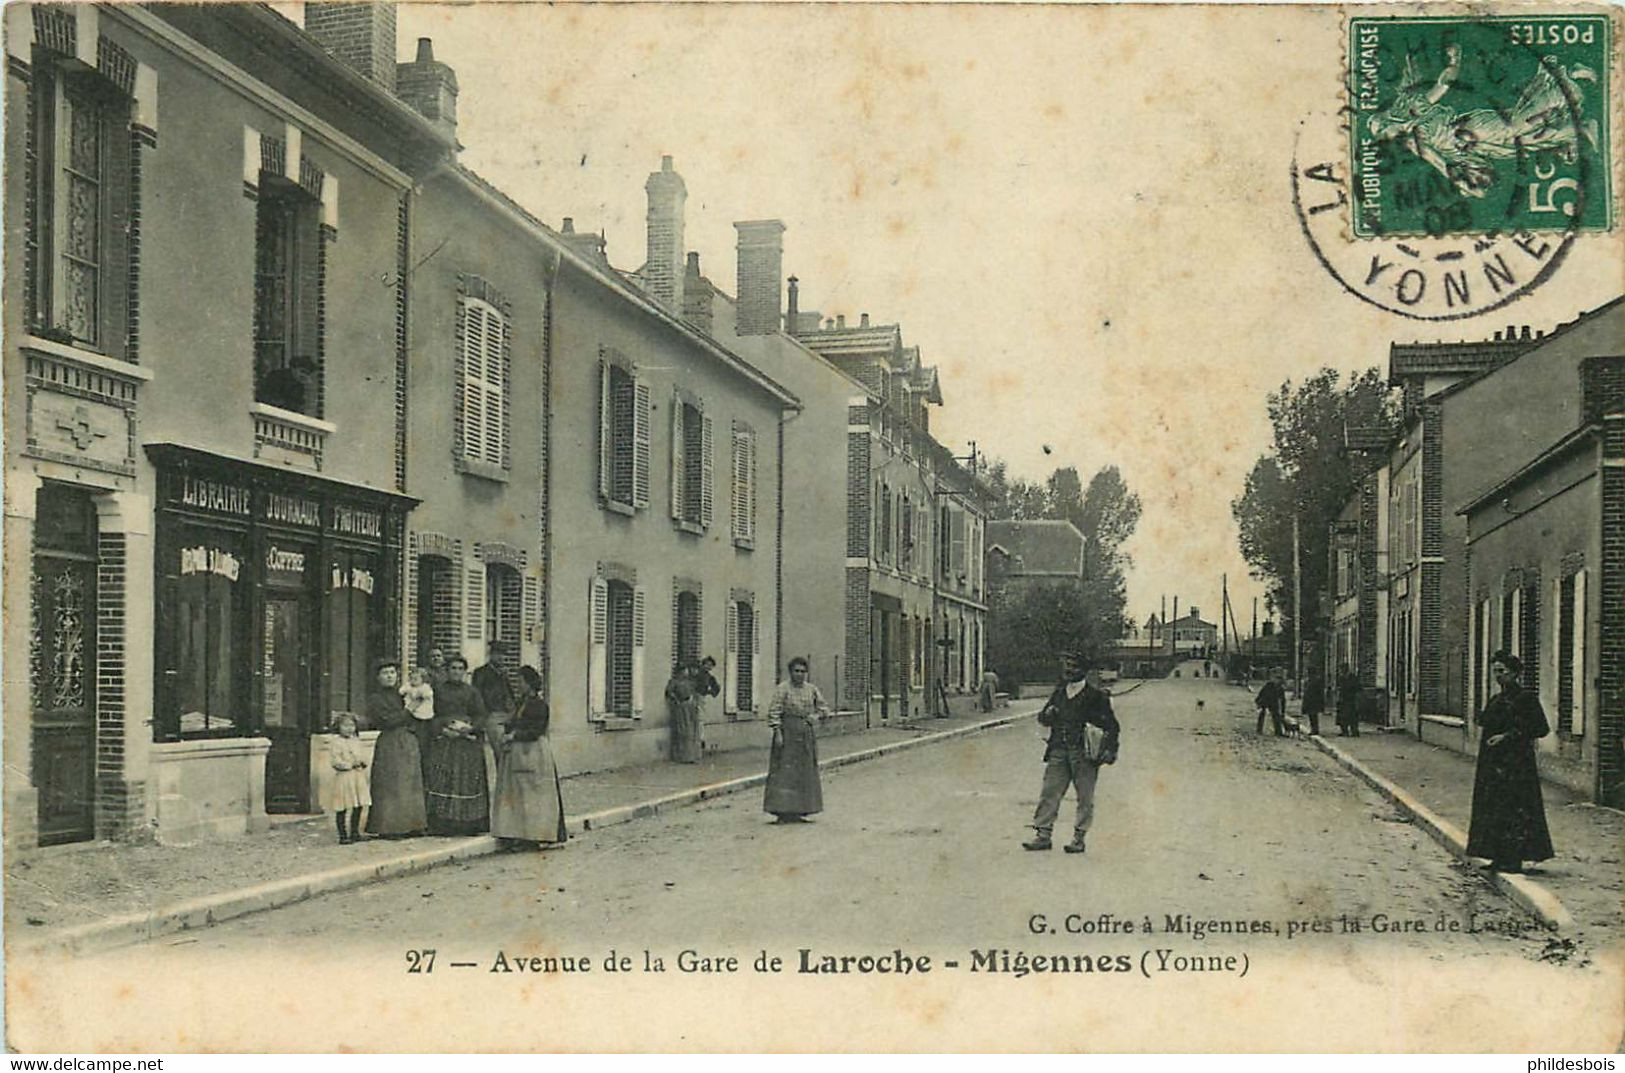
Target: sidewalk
x=92 y=897
x=1586 y=877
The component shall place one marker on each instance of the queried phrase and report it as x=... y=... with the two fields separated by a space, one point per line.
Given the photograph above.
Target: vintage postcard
x=813 y=527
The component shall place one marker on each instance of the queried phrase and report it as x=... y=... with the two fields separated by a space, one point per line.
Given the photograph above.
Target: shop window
x=81 y=157
x=351 y=589
x=287 y=277
x=483 y=375
x=623 y=445
x=209 y=642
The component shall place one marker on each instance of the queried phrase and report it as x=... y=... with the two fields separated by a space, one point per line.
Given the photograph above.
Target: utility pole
x=1297 y=607
x=1252 y=657
x=1224 y=610
x=1176 y=631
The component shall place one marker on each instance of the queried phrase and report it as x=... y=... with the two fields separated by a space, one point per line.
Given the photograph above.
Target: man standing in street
x=1272 y=702
x=1083 y=735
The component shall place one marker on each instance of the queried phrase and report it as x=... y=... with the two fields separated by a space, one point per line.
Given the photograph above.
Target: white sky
x=1082 y=215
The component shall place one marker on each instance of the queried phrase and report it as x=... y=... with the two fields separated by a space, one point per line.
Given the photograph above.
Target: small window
x=504 y=601
x=692 y=494
x=623 y=446
x=689 y=640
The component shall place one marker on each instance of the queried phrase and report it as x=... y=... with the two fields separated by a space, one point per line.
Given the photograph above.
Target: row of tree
x=1032 y=623
x=1308 y=474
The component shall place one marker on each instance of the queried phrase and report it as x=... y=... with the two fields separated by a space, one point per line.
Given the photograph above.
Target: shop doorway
x=63 y=664
x=287 y=694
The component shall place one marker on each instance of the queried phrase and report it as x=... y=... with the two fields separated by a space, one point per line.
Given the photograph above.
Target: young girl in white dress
x=350 y=791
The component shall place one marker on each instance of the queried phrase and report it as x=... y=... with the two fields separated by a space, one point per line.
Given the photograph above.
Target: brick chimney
x=793 y=313
x=696 y=295
x=586 y=244
x=663 y=268
x=359 y=35
x=430 y=87
x=761 y=266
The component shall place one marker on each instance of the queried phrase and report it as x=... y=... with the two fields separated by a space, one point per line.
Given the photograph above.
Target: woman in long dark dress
x=1509 y=818
x=683 y=704
x=397 y=767
x=793 y=792
x=459 y=801
x=527 y=805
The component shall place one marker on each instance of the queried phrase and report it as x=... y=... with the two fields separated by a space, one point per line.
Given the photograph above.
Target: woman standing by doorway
x=397 y=767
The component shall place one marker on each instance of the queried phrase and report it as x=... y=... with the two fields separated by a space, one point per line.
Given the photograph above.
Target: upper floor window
x=80 y=157
x=483 y=369
x=287 y=297
x=623 y=436
x=692 y=492
x=615 y=651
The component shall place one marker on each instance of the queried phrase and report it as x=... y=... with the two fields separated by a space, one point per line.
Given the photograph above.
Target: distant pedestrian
x=1348 y=703
x=1508 y=825
x=683 y=708
x=397 y=760
x=527 y=805
x=347 y=793
x=1083 y=736
x=1271 y=701
x=1314 y=699
x=793 y=791
x=989 y=693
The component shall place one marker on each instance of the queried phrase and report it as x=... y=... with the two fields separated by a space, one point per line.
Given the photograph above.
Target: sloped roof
x=883 y=339
x=1039 y=548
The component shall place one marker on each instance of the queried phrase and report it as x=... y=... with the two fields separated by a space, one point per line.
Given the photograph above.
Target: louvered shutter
x=736 y=492
x=1516 y=620
x=640 y=444
x=750 y=486
x=472 y=362
x=677 y=460
x=957 y=554
x=606 y=432
x=730 y=661
x=756 y=660
x=639 y=606
x=598 y=648
x=707 y=477
x=533 y=608
x=1577 y=723
x=474 y=610
x=492 y=385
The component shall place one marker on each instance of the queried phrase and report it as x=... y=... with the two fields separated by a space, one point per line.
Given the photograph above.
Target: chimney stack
x=359 y=35
x=430 y=88
x=793 y=312
x=761 y=264
x=863 y=321
x=663 y=267
x=696 y=295
x=586 y=244
x=840 y=322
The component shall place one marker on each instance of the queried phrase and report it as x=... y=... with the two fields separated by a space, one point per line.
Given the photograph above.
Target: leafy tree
x=1108 y=518
x=1308 y=474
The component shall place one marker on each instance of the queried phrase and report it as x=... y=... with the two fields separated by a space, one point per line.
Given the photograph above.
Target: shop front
x=276 y=592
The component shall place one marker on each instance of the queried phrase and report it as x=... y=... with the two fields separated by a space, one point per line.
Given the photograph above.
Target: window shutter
x=639 y=605
x=957 y=554
x=1515 y=620
x=707 y=478
x=494 y=384
x=533 y=608
x=730 y=661
x=640 y=457
x=677 y=460
x=470 y=369
x=598 y=649
x=756 y=661
x=474 y=612
x=736 y=493
x=606 y=441
x=1578 y=722
x=750 y=485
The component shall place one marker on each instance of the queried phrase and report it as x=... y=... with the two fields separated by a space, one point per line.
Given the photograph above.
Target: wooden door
x=63 y=665
x=287 y=693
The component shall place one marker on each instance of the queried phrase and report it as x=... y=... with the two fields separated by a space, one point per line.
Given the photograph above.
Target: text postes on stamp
x=1479 y=125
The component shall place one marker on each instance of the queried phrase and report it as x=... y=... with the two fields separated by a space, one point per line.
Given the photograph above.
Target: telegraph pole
x=1297 y=608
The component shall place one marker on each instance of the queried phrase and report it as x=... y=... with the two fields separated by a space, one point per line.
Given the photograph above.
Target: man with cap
x=1083 y=735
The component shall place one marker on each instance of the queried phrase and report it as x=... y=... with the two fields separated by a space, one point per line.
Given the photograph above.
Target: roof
x=1043 y=548
x=1406 y=360
x=1557 y=451
x=884 y=339
x=1192 y=620
x=609 y=277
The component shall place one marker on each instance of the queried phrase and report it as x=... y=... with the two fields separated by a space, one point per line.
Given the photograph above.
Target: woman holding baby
x=397 y=769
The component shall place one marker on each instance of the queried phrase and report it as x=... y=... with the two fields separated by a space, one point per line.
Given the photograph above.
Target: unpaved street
x=1201 y=821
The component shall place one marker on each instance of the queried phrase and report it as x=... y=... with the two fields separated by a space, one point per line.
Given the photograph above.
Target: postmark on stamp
x=1479 y=125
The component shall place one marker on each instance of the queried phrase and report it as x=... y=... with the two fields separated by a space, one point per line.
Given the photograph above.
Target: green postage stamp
x=1479 y=125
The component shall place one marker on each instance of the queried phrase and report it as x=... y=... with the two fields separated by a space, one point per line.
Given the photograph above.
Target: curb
x=1529 y=895
x=198 y=913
